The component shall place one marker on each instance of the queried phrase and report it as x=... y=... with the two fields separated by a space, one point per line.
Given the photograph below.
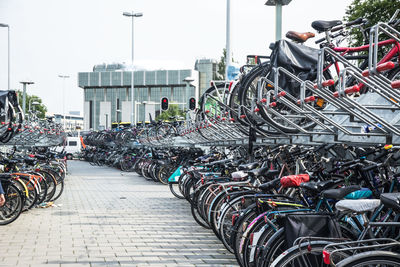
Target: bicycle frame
x=387 y=57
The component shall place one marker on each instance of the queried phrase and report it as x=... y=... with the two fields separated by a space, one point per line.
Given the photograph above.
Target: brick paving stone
x=110 y=219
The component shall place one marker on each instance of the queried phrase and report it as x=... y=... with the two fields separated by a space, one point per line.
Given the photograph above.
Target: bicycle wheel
x=238 y=230
x=233 y=208
x=174 y=188
x=13 y=206
x=194 y=208
x=274 y=246
x=288 y=113
x=307 y=254
x=51 y=184
x=33 y=193
x=247 y=93
x=43 y=187
x=163 y=175
x=59 y=184
x=209 y=101
x=59 y=190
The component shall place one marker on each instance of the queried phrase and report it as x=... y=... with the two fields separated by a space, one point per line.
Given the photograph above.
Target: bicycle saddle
x=40 y=157
x=322 y=25
x=391 y=200
x=265 y=187
x=360 y=205
x=340 y=192
x=239 y=175
x=318 y=187
x=249 y=166
x=299 y=37
x=234 y=164
x=222 y=161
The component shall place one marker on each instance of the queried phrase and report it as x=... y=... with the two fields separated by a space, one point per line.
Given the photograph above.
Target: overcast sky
x=52 y=37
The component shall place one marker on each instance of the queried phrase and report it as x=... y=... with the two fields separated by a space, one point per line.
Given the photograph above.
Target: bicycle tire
x=310 y=251
x=174 y=188
x=11 y=210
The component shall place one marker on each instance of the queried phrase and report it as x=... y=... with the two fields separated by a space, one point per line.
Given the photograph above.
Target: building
x=208 y=71
x=72 y=121
x=107 y=91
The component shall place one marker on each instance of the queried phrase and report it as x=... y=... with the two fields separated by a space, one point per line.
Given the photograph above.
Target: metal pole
x=106 y=121
x=278 y=21
x=133 y=116
x=228 y=37
x=64 y=77
x=64 y=103
x=8 y=57
x=24 y=98
x=185 y=106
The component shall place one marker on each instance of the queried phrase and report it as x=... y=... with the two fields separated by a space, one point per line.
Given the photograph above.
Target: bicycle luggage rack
x=384 y=97
x=343 y=104
x=374 y=40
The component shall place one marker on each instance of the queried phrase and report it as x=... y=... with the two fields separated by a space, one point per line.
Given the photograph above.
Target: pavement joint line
x=94 y=227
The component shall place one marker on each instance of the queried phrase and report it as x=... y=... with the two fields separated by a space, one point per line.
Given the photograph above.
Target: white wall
x=105 y=108
x=152 y=110
x=126 y=111
x=86 y=116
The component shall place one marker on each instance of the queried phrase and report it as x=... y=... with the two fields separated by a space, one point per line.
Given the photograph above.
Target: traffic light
x=192 y=103
x=164 y=103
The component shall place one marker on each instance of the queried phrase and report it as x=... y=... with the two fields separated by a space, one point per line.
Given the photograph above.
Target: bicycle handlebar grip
x=337 y=28
x=320 y=40
x=354 y=22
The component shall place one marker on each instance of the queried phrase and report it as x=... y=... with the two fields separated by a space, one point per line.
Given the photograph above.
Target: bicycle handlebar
x=358 y=22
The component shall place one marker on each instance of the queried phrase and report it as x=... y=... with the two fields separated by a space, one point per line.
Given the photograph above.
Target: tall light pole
x=228 y=37
x=8 y=46
x=278 y=15
x=187 y=80
x=133 y=117
x=34 y=103
x=118 y=120
x=24 y=95
x=63 y=77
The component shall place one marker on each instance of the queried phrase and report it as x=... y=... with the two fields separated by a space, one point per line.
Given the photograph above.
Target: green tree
x=373 y=10
x=173 y=111
x=220 y=75
x=221 y=67
x=41 y=108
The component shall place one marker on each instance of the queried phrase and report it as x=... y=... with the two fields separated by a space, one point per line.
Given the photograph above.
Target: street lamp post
x=133 y=117
x=8 y=46
x=228 y=37
x=106 y=121
x=278 y=15
x=63 y=77
x=24 y=95
x=34 y=103
x=187 y=80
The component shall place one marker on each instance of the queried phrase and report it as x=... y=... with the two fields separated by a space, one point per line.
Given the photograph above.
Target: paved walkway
x=108 y=219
